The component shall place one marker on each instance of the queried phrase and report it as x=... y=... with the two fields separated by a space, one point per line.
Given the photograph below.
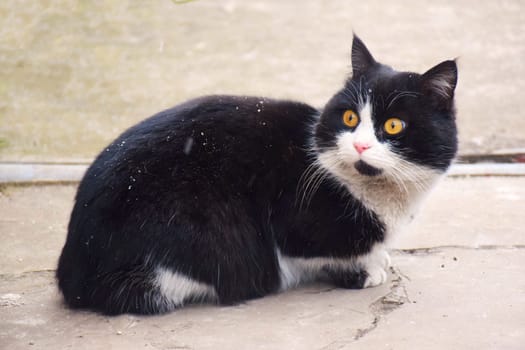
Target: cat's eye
x=350 y=118
x=394 y=126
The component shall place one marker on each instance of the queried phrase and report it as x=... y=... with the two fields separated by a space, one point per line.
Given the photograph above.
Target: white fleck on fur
x=177 y=288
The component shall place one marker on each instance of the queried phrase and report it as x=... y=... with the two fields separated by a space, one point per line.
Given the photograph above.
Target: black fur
x=209 y=188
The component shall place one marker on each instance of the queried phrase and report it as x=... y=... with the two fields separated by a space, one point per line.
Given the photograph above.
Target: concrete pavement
x=457 y=282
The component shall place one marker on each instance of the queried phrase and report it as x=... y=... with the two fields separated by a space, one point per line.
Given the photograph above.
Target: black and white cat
x=223 y=199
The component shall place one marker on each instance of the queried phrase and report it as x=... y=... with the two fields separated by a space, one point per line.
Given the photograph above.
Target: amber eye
x=350 y=118
x=394 y=126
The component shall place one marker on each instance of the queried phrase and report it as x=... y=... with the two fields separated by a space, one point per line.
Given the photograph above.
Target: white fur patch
x=364 y=132
x=177 y=288
x=297 y=270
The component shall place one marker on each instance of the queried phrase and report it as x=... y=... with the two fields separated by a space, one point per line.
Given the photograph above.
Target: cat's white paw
x=376 y=264
x=376 y=276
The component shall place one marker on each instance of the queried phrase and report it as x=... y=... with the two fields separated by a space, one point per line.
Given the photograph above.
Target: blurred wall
x=74 y=74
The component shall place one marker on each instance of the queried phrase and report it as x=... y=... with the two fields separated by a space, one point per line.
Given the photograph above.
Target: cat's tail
x=129 y=290
x=135 y=288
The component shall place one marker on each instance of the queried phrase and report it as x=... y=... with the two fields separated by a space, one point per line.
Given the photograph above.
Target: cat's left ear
x=362 y=59
x=440 y=81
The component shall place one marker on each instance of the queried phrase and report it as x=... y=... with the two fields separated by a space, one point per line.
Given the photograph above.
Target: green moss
x=3 y=143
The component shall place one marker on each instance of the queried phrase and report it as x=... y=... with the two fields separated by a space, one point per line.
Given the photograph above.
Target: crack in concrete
x=439 y=249
x=45 y=173
x=362 y=332
x=388 y=303
x=14 y=276
x=398 y=294
x=394 y=299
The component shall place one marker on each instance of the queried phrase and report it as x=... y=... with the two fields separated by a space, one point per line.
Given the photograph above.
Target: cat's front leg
x=365 y=271
x=375 y=264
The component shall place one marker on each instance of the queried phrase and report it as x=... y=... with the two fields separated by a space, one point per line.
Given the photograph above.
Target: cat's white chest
x=394 y=206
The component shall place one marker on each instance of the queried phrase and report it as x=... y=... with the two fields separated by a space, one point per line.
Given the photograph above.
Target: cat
x=223 y=199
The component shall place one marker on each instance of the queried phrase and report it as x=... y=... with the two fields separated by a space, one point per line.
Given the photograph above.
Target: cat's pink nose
x=360 y=147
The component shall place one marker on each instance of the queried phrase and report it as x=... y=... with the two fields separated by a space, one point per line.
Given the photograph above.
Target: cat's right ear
x=362 y=59
x=440 y=81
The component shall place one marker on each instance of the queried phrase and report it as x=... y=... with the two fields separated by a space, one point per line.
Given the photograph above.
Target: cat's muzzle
x=366 y=169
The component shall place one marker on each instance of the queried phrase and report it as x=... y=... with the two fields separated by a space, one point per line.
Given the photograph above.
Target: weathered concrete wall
x=74 y=74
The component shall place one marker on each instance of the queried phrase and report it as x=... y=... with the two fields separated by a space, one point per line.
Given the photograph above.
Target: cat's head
x=385 y=123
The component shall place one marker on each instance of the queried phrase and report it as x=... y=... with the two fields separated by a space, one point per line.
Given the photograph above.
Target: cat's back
x=210 y=137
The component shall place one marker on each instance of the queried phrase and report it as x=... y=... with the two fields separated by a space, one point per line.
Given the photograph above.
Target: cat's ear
x=362 y=59
x=440 y=81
